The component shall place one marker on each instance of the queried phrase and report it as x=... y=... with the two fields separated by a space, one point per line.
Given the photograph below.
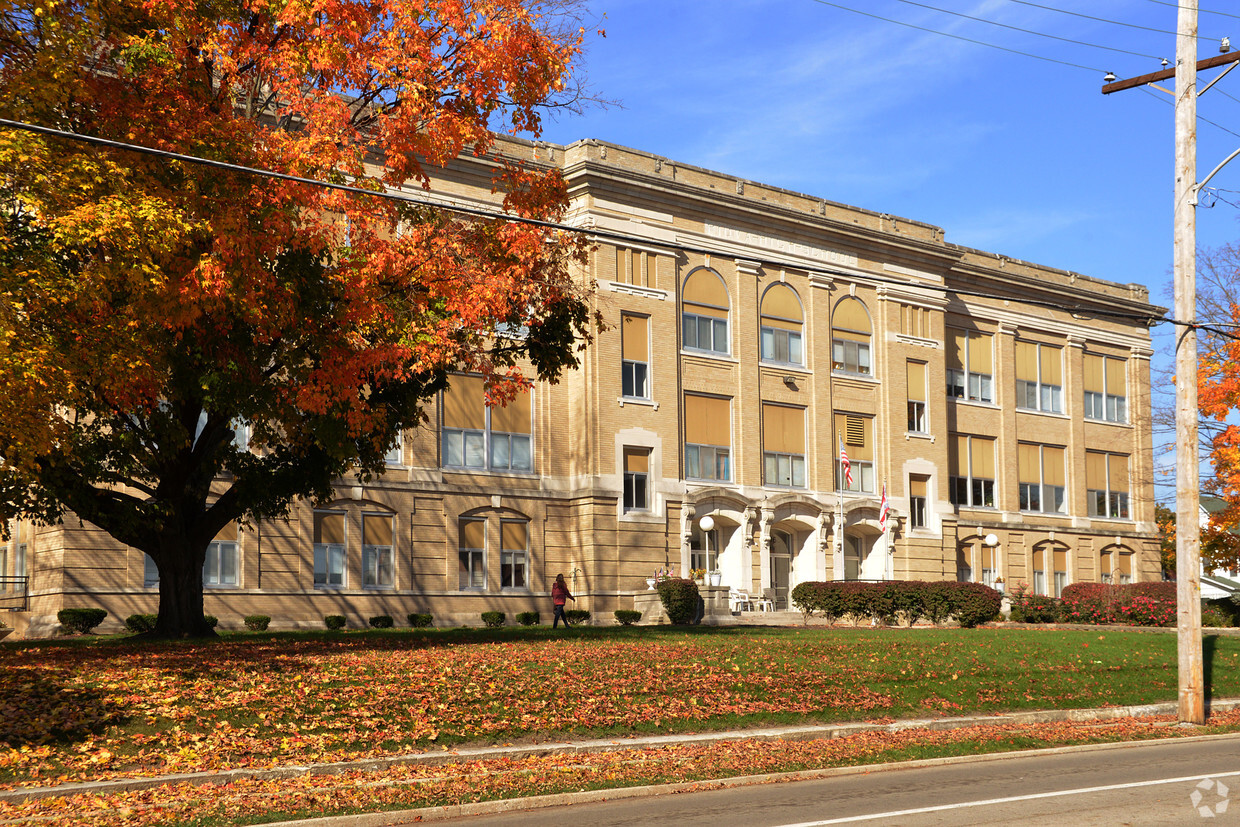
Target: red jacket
x=559 y=593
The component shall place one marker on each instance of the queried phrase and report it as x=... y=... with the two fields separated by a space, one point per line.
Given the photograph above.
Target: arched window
x=782 y=322
x=850 y=338
x=704 y=315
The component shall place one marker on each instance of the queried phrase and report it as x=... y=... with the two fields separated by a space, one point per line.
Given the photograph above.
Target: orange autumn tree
x=161 y=316
x=1218 y=390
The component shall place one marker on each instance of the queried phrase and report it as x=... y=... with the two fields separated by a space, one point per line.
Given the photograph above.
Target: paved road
x=1139 y=784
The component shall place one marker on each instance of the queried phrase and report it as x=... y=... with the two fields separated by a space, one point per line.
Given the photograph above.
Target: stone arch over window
x=705 y=312
x=851 y=331
x=782 y=323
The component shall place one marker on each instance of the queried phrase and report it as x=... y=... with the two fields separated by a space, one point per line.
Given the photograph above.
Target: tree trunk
x=180 y=591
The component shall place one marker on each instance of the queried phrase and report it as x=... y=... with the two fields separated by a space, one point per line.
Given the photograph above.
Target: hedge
x=627 y=617
x=493 y=619
x=334 y=622
x=257 y=623
x=420 y=620
x=575 y=616
x=381 y=622
x=904 y=600
x=527 y=618
x=141 y=623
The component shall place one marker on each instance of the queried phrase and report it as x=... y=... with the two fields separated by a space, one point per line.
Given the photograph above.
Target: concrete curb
x=791 y=733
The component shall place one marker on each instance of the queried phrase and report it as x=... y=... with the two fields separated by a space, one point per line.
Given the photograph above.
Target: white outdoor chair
x=766 y=602
x=739 y=601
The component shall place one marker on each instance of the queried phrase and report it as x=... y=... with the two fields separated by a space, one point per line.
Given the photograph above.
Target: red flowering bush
x=1141 y=610
x=1087 y=603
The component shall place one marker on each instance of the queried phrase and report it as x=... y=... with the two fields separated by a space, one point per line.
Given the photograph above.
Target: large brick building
x=754 y=333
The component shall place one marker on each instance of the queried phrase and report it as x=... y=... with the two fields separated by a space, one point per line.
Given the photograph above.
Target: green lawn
x=107 y=707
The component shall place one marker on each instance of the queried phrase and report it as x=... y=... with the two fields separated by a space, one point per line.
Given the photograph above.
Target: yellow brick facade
x=740 y=417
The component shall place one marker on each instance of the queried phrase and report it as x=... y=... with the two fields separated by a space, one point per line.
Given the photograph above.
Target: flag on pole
x=883 y=509
x=846 y=465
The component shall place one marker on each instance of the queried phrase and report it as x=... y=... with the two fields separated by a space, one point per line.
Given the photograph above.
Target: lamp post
x=707 y=524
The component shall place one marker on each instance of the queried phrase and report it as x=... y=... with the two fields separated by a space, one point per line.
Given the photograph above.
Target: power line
x=606 y=235
x=1031 y=31
x=1104 y=19
x=960 y=37
x=1200 y=10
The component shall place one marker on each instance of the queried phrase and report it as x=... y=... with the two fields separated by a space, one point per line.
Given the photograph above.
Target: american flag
x=883 y=509
x=846 y=465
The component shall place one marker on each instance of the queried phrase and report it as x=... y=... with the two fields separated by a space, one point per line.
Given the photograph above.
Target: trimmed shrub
x=806 y=597
x=974 y=603
x=381 y=622
x=936 y=597
x=575 y=616
x=1087 y=603
x=908 y=600
x=257 y=623
x=1143 y=610
x=855 y=601
x=140 y=624
x=334 y=622
x=527 y=618
x=680 y=599
x=493 y=619
x=211 y=620
x=1035 y=608
x=81 y=620
x=627 y=617
x=420 y=620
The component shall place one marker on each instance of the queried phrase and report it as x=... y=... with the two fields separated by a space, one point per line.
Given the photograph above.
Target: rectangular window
x=970 y=369
x=783 y=445
x=395 y=452
x=916 y=389
x=635 y=356
x=1060 y=559
x=708 y=438
x=988 y=566
x=514 y=554
x=917 y=500
x=855 y=431
x=1040 y=469
x=1106 y=395
x=475 y=436
x=705 y=328
x=378 y=569
x=150 y=572
x=636 y=479
x=1106 y=485
x=1039 y=377
x=472 y=552
x=780 y=345
x=850 y=355
x=971 y=461
x=1125 y=568
x=220 y=567
x=329 y=558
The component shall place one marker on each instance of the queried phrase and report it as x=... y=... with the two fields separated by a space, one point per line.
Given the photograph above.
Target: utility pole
x=1188 y=494
x=1187 y=537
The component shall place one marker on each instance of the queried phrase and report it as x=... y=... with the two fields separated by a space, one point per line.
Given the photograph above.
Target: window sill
x=779 y=487
x=388 y=588
x=973 y=403
x=710 y=354
x=637 y=400
x=795 y=367
x=1117 y=424
x=1036 y=412
x=330 y=588
x=856 y=377
x=206 y=586
x=918 y=435
x=453 y=469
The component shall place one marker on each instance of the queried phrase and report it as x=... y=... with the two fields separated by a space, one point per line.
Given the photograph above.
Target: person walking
x=560 y=594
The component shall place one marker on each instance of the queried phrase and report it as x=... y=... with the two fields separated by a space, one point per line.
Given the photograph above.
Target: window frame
x=633 y=480
x=966 y=389
x=720 y=327
x=1117 y=504
x=217 y=550
x=485 y=442
x=633 y=372
x=1103 y=406
x=972 y=487
x=373 y=554
x=475 y=559
x=330 y=552
x=847 y=350
x=512 y=561
x=1039 y=387
x=1029 y=490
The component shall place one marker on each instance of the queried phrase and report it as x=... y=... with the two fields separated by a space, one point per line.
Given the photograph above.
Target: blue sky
x=1007 y=153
